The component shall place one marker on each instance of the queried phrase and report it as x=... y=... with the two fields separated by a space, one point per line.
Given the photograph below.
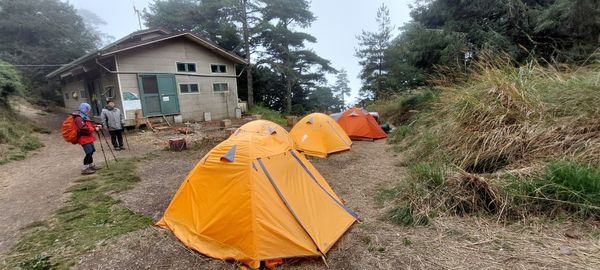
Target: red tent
x=359 y=124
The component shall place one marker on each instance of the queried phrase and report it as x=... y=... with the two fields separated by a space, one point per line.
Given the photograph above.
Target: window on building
x=188 y=88
x=218 y=68
x=186 y=67
x=82 y=94
x=220 y=87
x=66 y=95
x=109 y=92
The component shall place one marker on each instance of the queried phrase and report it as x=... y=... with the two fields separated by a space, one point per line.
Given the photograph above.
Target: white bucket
x=178 y=119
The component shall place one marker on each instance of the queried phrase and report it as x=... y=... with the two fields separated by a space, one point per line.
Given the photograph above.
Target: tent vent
x=353 y=114
x=230 y=155
x=272 y=131
x=310 y=120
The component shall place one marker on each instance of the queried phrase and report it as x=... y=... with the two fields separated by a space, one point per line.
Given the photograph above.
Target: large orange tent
x=253 y=198
x=266 y=127
x=359 y=124
x=318 y=135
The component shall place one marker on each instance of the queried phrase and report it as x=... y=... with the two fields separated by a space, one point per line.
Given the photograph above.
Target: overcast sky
x=338 y=22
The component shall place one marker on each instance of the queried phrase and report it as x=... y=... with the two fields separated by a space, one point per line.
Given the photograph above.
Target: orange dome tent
x=359 y=124
x=318 y=135
x=253 y=198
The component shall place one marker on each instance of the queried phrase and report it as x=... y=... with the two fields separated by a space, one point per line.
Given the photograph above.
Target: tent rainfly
x=318 y=135
x=360 y=124
x=254 y=198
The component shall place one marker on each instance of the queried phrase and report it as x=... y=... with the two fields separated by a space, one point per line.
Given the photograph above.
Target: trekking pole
x=102 y=148
x=126 y=141
x=110 y=149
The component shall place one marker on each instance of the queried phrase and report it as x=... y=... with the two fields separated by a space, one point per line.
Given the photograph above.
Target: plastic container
x=177 y=144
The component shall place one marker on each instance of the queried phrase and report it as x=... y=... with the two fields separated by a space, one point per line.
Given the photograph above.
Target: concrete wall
x=78 y=85
x=162 y=58
x=72 y=104
x=220 y=104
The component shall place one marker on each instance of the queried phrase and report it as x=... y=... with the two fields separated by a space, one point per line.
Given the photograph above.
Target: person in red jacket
x=86 y=138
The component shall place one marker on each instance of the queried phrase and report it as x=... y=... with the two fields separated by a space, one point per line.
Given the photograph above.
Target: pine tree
x=286 y=52
x=371 y=51
x=341 y=86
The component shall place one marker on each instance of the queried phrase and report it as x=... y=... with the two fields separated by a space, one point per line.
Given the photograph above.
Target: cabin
x=154 y=73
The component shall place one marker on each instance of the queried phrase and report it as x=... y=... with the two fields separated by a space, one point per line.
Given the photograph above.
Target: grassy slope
x=90 y=216
x=16 y=136
x=510 y=142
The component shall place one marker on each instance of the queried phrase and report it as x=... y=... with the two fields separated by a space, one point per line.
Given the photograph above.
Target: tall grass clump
x=501 y=136
x=561 y=187
x=269 y=114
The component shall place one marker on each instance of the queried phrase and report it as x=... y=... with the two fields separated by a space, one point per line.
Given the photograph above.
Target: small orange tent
x=318 y=134
x=253 y=198
x=359 y=124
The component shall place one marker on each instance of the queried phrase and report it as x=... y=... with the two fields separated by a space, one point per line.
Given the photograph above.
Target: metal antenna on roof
x=137 y=12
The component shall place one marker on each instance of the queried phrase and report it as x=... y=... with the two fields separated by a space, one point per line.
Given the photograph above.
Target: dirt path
x=449 y=242
x=32 y=189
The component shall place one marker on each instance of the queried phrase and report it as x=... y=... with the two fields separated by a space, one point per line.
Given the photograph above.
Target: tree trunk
x=246 y=35
x=288 y=94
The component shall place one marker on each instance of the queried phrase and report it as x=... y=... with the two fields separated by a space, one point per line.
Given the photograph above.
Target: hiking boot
x=94 y=167
x=122 y=148
x=87 y=171
x=117 y=149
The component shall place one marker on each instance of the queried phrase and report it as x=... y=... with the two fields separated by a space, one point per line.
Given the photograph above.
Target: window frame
x=189 y=88
x=187 y=69
x=217 y=65
x=109 y=89
x=215 y=83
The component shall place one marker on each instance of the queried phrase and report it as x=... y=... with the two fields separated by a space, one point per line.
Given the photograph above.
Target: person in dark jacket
x=113 y=121
x=85 y=131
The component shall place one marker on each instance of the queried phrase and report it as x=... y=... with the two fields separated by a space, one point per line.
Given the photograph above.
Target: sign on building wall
x=131 y=101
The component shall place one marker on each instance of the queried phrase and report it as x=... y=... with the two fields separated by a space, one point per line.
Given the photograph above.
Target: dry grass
x=497 y=137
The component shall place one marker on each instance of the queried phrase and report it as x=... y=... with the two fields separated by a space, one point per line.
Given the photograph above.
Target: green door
x=169 y=103
x=159 y=94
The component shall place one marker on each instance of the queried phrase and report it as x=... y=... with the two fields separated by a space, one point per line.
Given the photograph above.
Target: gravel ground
x=356 y=175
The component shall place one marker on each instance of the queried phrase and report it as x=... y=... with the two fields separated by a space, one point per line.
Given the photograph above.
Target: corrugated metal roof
x=121 y=45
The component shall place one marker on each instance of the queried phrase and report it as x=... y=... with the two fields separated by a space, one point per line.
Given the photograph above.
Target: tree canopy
x=10 y=82
x=451 y=33
x=246 y=25
x=372 y=54
x=38 y=35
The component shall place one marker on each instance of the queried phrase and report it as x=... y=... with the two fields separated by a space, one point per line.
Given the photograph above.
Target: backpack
x=69 y=130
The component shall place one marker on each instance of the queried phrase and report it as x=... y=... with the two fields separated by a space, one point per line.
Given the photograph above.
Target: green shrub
x=268 y=114
x=10 y=82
